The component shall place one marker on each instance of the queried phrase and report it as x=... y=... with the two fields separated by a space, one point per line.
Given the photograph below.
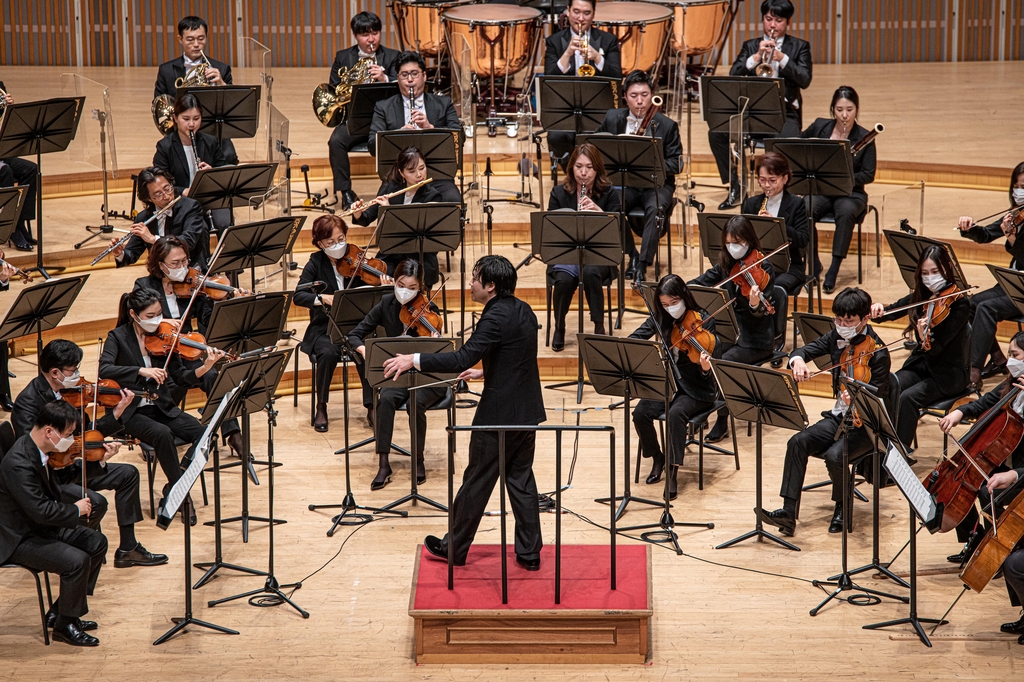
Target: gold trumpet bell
x=163 y=113
x=327 y=106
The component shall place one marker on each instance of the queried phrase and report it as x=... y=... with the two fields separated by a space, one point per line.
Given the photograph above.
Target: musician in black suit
x=387 y=314
x=773 y=176
x=192 y=33
x=366 y=29
x=563 y=57
x=849 y=209
x=585 y=170
x=40 y=531
x=505 y=339
x=790 y=61
x=24 y=173
x=638 y=91
x=156 y=190
x=329 y=237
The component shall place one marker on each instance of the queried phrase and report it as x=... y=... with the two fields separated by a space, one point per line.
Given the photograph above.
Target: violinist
x=853 y=343
x=850 y=209
x=756 y=339
x=697 y=388
x=992 y=306
x=937 y=367
x=59 y=370
x=126 y=360
x=409 y=290
x=156 y=190
x=586 y=188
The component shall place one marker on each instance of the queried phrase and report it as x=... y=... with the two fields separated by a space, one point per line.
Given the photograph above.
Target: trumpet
x=866 y=140
x=124 y=240
x=764 y=69
x=360 y=207
x=587 y=70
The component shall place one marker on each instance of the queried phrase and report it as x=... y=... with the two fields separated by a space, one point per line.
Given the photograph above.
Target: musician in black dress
x=387 y=314
x=790 y=60
x=696 y=391
x=852 y=310
x=850 y=209
x=756 y=326
x=366 y=29
x=586 y=188
x=25 y=173
x=928 y=376
x=992 y=306
x=773 y=175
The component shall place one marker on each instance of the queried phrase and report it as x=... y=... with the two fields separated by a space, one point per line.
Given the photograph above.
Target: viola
x=993 y=549
x=750 y=276
x=214 y=287
x=855 y=361
x=955 y=481
x=108 y=390
x=417 y=314
x=94 y=450
x=189 y=346
x=354 y=263
x=690 y=337
x=937 y=311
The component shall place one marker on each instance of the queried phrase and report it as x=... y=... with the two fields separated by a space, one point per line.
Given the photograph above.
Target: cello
x=997 y=544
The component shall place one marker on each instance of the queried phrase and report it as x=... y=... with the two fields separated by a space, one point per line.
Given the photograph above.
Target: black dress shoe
x=1014 y=628
x=528 y=564
x=5 y=403
x=348 y=197
x=836 y=526
x=83 y=625
x=631 y=268
x=558 y=340
x=673 y=486
x=718 y=433
x=973 y=540
x=731 y=201
x=598 y=329
x=656 y=469
x=421 y=472
x=22 y=245
x=383 y=476
x=139 y=556
x=781 y=519
x=320 y=420
x=73 y=635
x=436 y=548
x=828 y=287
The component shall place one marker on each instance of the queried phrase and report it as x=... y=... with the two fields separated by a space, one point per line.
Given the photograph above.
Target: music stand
x=441 y=149
x=907 y=250
x=360 y=108
x=574 y=104
x=37 y=128
x=713 y=298
x=40 y=308
x=264 y=242
x=229 y=111
x=379 y=350
x=764 y=396
x=770 y=231
x=1012 y=283
x=178 y=495
x=577 y=238
x=417 y=228
x=812 y=327
x=12 y=201
x=228 y=187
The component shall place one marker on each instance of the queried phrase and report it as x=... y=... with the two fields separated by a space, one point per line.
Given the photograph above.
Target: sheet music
x=910 y=486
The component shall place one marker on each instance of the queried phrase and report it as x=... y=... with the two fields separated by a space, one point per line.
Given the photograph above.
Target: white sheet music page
x=912 y=488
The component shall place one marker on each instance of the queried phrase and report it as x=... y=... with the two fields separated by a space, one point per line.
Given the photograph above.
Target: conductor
x=505 y=340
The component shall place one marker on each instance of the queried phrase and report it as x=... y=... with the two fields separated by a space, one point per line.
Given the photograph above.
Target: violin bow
x=750 y=267
x=854 y=359
x=430 y=300
x=926 y=301
x=995 y=533
x=188 y=308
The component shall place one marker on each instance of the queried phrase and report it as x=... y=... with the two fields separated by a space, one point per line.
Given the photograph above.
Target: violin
x=690 y=337
x=995 y=546
x=416 y=314
x=855 y=361
x=189 y=346
x=354 y=263
x=955 y=481
x=937 y=311
x=215 y=287
x=94 y=450
x=753 y=275
x=109 y=392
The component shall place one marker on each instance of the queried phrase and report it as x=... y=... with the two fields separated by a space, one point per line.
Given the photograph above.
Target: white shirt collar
x=43 y=457
x=774 y=204
x=189 y=63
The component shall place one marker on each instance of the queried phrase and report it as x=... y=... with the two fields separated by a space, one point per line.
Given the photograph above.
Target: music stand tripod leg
x=627 y=496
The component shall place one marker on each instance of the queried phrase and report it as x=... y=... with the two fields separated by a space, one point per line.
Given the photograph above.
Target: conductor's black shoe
x=320 y=420
x=139 y=556
x=1014 y=628
x=731 y=201
x=781 y=519
x=436 y=547
x=528 y=564
x=348 y=197
x=836 y=526
x=558 y=340
x=83 y=625
x=5 y=402
x=656 y=469
x=74 y=635
x=718 y=433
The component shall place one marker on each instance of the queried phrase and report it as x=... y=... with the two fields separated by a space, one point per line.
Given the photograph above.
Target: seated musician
x=563 y=56
x=928 y=376
x=24 y=173
x=773 y=175
x=971 y=530
x=366 y=29
x=386 y=314
x=409 y=169
x=852 y=311
x=192 y=33
x=59 y=369
x=756 y=327
x=156 y=190
x=586 y=188
x=696 y=385
x=127 y=361
x=40 y=531
x=992 y=306
x=638 y=91
x=329 y=235
x=849 y=209
x=790 y=60
x=1006 y=487
x=176 y=154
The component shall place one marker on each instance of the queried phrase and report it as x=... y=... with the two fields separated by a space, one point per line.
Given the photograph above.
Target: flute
x=124 y=240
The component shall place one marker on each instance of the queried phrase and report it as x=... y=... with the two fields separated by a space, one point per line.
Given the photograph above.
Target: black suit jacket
x=863 y=164
x=36 y=395
x=385 y=314
x=798 y=228
x=950 y=354
x=201 y=309
x=30 y=500
x=828 y=344
x=318 y=268
x=347 y=58
x=604 y=42
x=797 y=74
x=505 y=339
x=661 y=127
x=756 y=326
x=186 y=221
x=121 y=361
x=389 y=114
x=691 y=379
x=170 y=155
x=171 y=71
x=984 y=234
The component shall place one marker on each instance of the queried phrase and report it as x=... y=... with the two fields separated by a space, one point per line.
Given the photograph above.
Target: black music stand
x=179 y=495
x=709 y=299
x=12 y=201
x=1012 y=283
x=40 y=308
x=37 y=128
x=229 y=111
x=771 y=233
x=379 y=350
x=441 y=149
x=418 y=228
x=573 y=104
x=764 y=396
x=264 y=242
x=360 y=108
x=907 y=250
x=577 y=238
x=812 y=327
x=228 y=187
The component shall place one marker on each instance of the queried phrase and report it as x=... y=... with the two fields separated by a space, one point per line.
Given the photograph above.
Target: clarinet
x=412 y=105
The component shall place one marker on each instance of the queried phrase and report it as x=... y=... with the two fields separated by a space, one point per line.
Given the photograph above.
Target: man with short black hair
x=192 y=35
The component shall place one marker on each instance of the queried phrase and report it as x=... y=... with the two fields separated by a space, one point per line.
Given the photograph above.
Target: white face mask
x=847 y=333
x=151 y=324
x=177 y=274
x=63 y=444
x=935 y=283
x=336 y=251
x=1015 y=367
x=405 y=295
x=737 y=251
x=1018 y=196
x=676 y=310
x=70 y=381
